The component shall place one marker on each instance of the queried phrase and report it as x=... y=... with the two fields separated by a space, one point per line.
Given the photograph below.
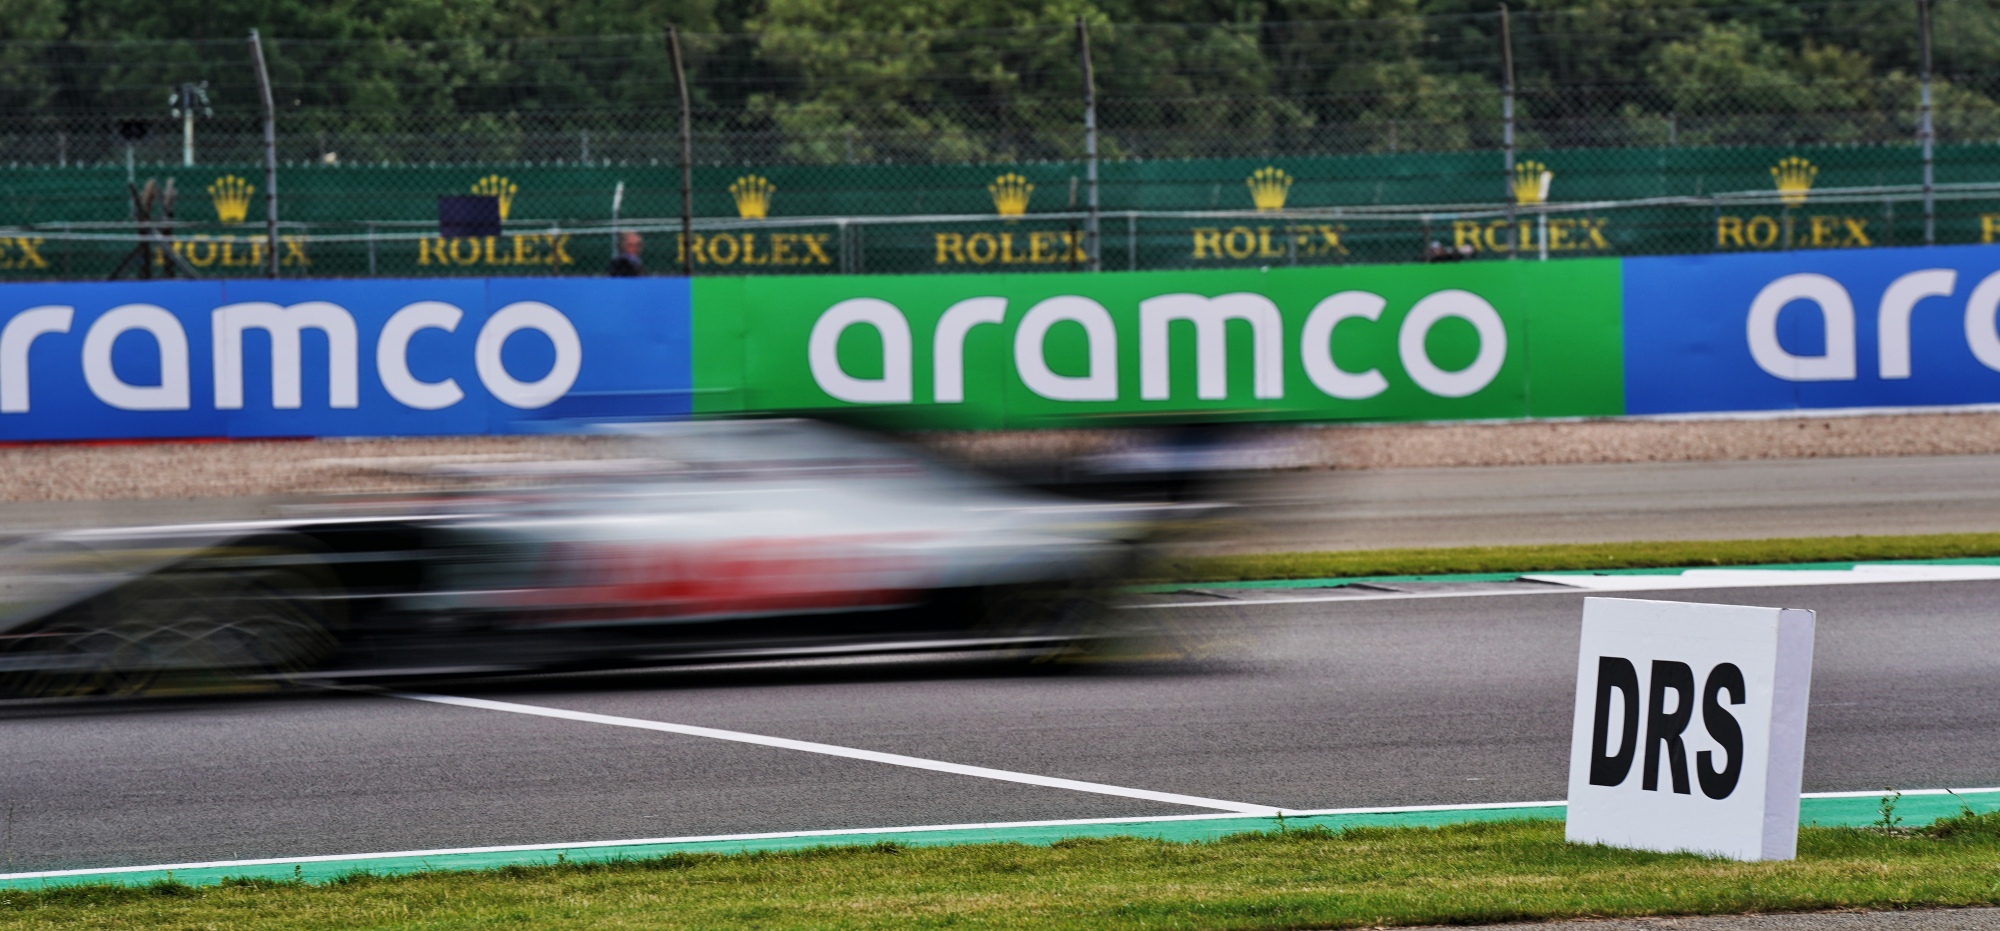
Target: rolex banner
x=1837 y=329
x=799 y=219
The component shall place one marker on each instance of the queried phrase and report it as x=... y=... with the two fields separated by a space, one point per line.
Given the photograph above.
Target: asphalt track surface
x=1314 y=705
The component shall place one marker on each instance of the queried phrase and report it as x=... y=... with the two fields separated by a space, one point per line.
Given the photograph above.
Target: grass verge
x=1495 y=871
x=1574 y=556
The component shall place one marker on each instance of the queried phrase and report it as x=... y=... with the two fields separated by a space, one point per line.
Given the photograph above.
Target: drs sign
x=1690 y=727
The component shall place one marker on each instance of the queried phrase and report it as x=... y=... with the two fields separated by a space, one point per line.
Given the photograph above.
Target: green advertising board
x=1379 y=343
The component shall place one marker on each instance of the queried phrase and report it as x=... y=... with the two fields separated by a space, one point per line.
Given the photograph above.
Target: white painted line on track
x=838 y=832
x=893 y=759
x=1863 y=574
x=1574 y=584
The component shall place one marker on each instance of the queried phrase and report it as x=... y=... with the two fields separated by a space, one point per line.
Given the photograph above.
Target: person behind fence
x=626 y=263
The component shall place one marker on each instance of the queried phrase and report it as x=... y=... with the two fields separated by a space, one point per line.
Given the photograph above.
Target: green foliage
x=833 y=81
x=1313 y=878
x=1970 y=827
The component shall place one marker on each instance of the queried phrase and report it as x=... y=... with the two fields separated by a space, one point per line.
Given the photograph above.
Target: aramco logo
x=500 y=189
x=1010 y=194
x=1269 y=187
x=231 y=196
x=1531 y=182
x=752 y=194
x=1794 y=177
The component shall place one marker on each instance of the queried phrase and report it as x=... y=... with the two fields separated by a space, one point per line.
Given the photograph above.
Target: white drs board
x=1690 y=727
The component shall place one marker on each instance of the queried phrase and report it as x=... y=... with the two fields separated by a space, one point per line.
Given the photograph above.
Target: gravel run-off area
x=209 y=469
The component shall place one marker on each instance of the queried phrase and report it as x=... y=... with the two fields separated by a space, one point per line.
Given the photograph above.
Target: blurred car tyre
x=266 y=607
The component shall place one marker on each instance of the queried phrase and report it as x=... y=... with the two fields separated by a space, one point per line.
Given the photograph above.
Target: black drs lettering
x=1723 y=728
x=1614 y=672
x=1666 y=728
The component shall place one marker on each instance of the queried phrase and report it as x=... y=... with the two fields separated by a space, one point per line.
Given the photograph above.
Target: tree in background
x=836 y=81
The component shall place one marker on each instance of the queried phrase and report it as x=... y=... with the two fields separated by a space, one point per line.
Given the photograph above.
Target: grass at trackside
x=1496 y=871
x=1574 y=556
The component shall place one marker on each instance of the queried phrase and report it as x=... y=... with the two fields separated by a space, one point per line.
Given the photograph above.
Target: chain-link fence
x=1632 y=131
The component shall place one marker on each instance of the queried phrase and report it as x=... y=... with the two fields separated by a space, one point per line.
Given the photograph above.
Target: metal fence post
x=687 y=155
x=617 y=204
x=270 y=150
x=186 y=95
x=1507 y=127
x=1925 y=131
x=1089 y=142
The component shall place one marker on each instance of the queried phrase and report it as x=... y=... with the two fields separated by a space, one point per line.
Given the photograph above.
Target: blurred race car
x=710 y=541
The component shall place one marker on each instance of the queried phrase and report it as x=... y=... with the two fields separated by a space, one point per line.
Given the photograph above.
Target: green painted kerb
x=1912 y=810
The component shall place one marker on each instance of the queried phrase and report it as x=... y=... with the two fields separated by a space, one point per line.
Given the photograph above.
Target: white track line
x=838 y=832
x=1584 y=583
x=893 y=759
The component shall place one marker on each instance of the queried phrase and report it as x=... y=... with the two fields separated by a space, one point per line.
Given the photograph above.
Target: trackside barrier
x=1876 y=328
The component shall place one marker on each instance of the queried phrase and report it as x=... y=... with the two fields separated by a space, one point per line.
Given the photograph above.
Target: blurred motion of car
x=711 y=541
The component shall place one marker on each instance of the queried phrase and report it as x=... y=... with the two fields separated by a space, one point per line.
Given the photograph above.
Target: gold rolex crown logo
x=1531 y=182
x=1010 y=194
x=231 y=196
x=753 y=196
x=1794 y=176
x=500 y=189
x=1268 y=187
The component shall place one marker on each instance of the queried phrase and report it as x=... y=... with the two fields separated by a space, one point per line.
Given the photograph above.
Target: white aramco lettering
x=1211 y=317
x=284 y=324
x=1470 y=308
x=171 y=394
x=1100 y=382
x=1835 y=362
x=511 y=319
x=1316 y=346
x=823 y=352
x=15 y=341
x=392 y=356
x=1892 y=318
x=948 y=345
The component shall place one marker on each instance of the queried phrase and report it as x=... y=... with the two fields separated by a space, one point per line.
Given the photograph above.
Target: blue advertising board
x=337 y=358
x=1863 y=328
